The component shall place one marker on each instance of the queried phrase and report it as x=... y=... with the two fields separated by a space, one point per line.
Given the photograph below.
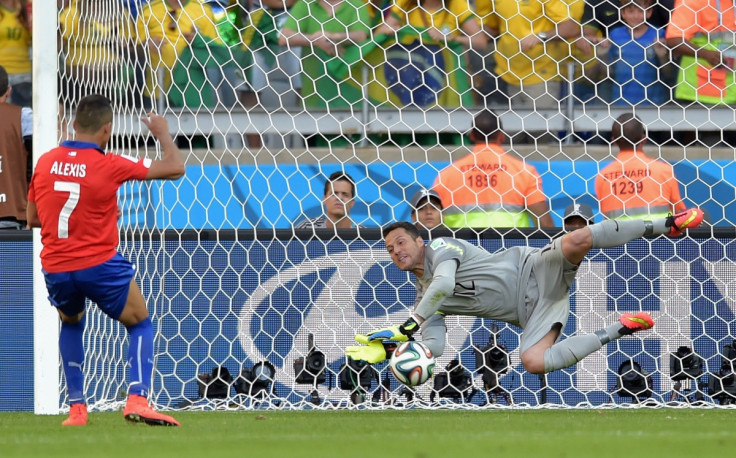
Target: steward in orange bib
x=489 y=187
x=635 y=185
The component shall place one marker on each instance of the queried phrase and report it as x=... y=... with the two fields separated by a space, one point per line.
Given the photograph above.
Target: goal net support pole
x=45 y=130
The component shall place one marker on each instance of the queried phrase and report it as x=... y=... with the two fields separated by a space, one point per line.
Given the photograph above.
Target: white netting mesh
x=268 y=102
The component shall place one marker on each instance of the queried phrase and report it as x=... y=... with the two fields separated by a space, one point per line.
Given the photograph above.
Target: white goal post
x=229 y=283
x=46 y=367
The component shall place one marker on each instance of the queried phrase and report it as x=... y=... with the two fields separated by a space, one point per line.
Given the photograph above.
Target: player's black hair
x=93 y=112
x=627 y=131
x=3 y=81
x=486 y=126
x=410 y=228
x=337 y=176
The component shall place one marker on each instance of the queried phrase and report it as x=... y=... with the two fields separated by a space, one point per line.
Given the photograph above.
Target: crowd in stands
x=314 y=53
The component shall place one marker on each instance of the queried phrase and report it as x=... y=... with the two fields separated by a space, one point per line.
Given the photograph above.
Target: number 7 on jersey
x=66 y=211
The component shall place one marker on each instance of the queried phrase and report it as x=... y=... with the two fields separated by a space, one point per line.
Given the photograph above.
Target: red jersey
x=75 y=190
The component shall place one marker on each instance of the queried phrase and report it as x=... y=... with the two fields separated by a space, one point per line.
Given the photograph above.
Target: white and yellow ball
x=412 y=363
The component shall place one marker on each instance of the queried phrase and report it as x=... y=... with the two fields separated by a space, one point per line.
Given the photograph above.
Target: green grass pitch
x=669 y=432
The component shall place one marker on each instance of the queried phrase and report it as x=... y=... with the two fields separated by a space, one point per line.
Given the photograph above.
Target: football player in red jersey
x=73 y=199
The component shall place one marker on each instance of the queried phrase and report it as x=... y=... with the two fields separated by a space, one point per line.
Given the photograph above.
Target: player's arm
x=32 y=215
x=443 y=284
x=434 y=334
x=171 y=165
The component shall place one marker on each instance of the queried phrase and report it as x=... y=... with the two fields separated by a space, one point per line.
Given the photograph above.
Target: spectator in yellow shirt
x=99 y=50
x=15 y=48
x=531 y=44
x=166 y=27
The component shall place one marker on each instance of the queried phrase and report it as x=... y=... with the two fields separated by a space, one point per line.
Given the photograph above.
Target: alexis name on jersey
x=69 y=170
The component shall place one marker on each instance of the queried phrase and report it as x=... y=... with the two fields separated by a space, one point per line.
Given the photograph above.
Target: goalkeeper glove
x=401 y=333
x=373 y=352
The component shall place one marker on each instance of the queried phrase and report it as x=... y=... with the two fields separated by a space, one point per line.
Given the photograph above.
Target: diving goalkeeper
x=529 y=287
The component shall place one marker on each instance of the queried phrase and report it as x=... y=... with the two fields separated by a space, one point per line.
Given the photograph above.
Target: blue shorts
x=106 y=284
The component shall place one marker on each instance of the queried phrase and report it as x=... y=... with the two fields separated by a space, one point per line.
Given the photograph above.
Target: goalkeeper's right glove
x=373 y=352
x=401 y=333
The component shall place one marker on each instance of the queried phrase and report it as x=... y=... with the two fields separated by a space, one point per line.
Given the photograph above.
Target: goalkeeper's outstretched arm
x=443 y=283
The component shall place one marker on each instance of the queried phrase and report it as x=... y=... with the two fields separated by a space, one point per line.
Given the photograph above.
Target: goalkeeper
x=529 y=287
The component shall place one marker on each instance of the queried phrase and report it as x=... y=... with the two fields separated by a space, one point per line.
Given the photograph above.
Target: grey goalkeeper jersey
x=488 y=285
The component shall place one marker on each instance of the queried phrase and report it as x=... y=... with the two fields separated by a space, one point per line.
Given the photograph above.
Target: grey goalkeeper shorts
x=546 y=293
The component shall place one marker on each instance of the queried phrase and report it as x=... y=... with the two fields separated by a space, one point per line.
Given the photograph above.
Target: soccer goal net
x=253 y=303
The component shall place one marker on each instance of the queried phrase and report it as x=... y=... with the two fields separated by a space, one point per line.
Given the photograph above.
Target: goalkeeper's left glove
x=400 y=333
x=373 y=352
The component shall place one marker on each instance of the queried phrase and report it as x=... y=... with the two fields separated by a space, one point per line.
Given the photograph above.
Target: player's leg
x=575 y=245
x=546 y=303
x=140 y=335
x=71 y=347
x=548 y=289
x=613 y=233
x=112 y=286
x=539 y=347
x=140 y=358
x=571 y=350
x=69 y=302
x=547 y=355
x=533 y=357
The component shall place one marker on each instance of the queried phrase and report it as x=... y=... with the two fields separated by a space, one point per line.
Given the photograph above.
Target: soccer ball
x=412 y=363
